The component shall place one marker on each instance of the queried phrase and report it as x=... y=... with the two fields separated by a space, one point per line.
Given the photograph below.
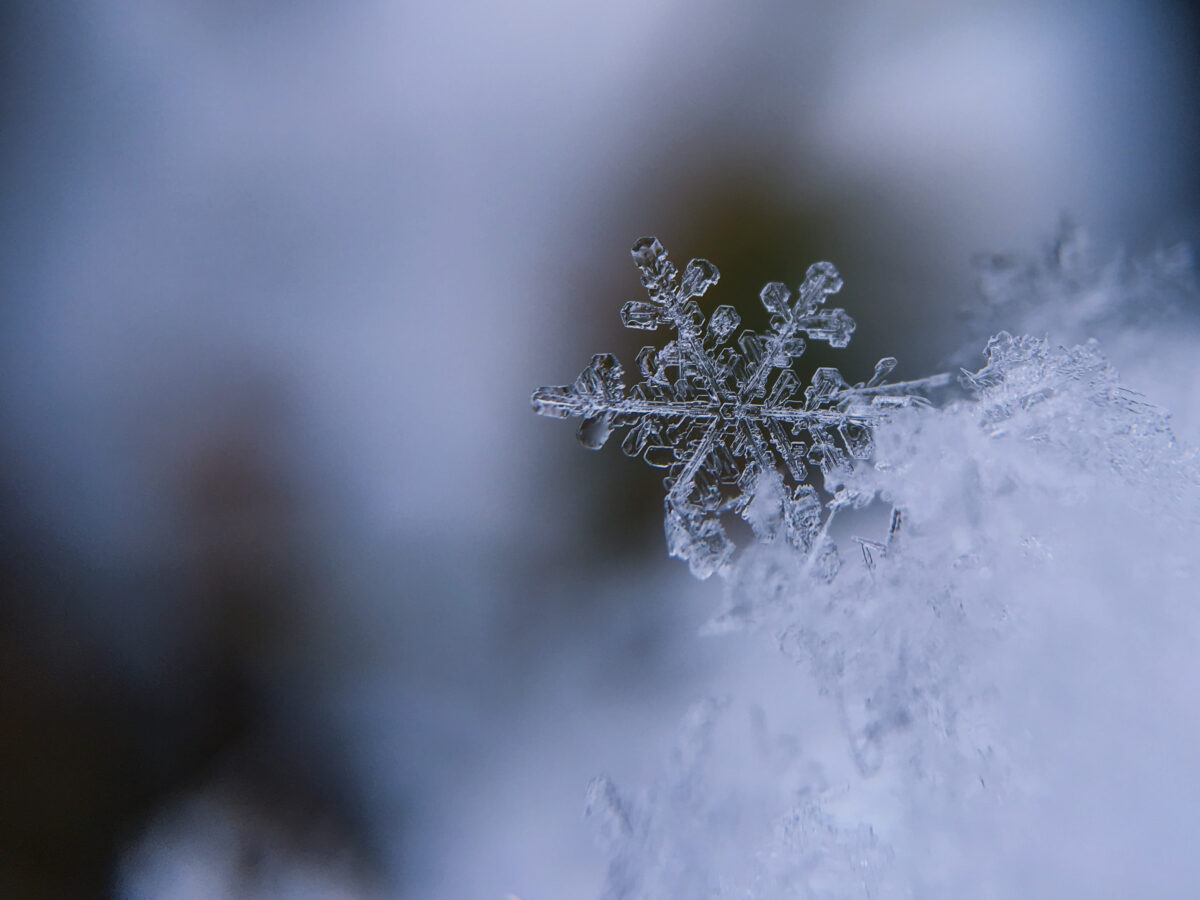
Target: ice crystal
x=728 y=420
x=1141 y=307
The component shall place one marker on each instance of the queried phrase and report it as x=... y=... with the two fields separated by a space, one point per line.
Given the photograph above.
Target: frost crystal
x=729 y=422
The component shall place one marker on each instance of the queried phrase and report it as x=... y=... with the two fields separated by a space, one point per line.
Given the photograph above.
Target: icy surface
x=728 y=420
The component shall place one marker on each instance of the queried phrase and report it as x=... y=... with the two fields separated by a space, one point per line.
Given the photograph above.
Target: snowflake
x=730 y=423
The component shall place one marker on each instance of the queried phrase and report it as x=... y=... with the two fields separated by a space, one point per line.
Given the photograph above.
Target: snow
x=999 y=701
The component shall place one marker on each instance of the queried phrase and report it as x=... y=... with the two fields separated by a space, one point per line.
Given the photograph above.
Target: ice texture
x=984 y=684
x=999 y=700
x=728 y=420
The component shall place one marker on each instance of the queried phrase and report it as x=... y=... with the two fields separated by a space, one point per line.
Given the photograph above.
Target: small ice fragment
x=722 y=323
x=698 y=277
x=638 y=314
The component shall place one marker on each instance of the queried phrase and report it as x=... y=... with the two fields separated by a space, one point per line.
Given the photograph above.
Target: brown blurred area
x=94 y=751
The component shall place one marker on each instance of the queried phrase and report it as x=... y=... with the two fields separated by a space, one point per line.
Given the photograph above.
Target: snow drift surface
x=1007 y=685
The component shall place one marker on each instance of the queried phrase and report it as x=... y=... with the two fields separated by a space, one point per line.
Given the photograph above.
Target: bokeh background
x=297 y=596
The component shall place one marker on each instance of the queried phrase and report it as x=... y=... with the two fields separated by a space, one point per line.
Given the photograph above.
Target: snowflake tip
x=698 y=277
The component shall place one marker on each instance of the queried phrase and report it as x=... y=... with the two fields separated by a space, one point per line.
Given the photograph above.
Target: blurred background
x=297 y=596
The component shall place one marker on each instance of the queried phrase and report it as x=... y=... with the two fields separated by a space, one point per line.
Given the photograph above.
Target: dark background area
x=295 y=591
